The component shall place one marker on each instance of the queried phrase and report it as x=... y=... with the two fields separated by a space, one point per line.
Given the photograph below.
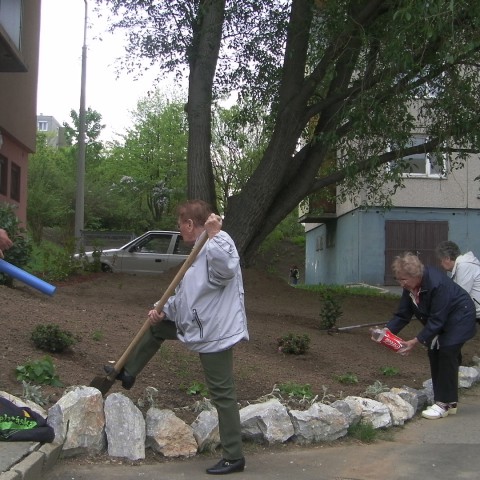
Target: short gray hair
x=407 y=264
x=448 y=250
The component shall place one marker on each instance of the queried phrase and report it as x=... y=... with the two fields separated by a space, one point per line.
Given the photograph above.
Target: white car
x=153 y=252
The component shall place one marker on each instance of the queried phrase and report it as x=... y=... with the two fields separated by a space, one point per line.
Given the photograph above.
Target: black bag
x=21 y=424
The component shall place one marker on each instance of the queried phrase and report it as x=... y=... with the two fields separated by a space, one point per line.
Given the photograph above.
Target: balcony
x=319 y=208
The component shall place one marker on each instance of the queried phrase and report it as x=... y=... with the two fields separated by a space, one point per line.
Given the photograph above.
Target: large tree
x=342 y=79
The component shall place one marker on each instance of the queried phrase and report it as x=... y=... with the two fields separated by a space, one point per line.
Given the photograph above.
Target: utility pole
x=80 y=197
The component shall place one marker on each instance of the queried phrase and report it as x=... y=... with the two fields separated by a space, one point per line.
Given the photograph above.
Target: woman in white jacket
x=207 y=314
x=465 y=270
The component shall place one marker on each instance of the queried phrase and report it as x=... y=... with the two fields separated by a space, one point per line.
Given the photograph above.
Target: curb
x=39 y=458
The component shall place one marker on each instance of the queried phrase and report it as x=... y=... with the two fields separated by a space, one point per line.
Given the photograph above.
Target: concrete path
x=443 y=449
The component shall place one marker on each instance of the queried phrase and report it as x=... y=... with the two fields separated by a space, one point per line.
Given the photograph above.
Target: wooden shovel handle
x=161 y=303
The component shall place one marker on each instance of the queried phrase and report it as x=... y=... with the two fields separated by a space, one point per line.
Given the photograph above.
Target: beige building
x=19 y=51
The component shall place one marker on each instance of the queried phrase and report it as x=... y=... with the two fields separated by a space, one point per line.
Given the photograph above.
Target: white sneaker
x=434 y=412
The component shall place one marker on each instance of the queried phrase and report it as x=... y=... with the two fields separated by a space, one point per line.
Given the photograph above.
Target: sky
x=60 y=68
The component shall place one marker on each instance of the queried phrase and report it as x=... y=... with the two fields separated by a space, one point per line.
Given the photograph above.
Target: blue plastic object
x=27 y=278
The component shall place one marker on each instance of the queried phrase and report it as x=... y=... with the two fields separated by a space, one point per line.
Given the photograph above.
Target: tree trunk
x=207 y=38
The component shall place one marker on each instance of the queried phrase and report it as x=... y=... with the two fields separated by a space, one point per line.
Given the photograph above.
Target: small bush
x=293 y=343
x=373 y=390
x=197 y=388
x=38 y=371
x=19 y=253
x=348 y=377
x=296 y=390
x=51 y=338
x=331 y=310
x=389 y=371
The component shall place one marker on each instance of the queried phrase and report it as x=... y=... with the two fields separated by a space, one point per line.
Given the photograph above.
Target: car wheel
x=106 y=268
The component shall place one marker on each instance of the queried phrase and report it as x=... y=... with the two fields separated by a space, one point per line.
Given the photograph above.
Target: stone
x=124 y=427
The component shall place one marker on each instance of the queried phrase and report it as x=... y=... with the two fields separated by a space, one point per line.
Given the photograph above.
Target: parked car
x=153 y=252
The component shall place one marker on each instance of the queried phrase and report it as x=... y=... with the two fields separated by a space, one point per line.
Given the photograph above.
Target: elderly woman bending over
x=447 y=314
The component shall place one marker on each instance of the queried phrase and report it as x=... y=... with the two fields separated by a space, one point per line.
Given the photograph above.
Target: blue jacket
x=445 y=309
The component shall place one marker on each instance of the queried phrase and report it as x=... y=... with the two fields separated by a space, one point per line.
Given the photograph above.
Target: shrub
x=331 y=310
x=38 y=371
x=197 y=388
x=19 y=253
x=373 y=390
x=293 y=343
x=296 y=390
x=348 y=377
x=389 y=371
x=52 y=262
x=51 y=338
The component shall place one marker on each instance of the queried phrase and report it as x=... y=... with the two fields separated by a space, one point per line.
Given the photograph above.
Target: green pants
x=218 y=370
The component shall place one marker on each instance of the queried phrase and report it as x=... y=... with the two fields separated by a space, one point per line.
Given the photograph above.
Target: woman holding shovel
x=207 y=314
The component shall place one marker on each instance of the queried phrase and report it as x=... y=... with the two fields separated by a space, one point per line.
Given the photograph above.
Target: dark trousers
x=218 y=370
x=444 y=366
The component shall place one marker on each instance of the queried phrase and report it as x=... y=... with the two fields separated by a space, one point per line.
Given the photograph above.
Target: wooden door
x=418 y=237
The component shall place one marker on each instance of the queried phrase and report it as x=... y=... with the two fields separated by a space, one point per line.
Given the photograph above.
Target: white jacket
x=208 y=306
x=466 y=273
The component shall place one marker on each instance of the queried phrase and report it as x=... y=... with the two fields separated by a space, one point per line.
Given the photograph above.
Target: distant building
x=55 y=132
x=19 y=47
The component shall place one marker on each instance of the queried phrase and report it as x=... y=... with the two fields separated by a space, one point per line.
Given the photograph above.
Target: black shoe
x=127 y=380
x=227 y=466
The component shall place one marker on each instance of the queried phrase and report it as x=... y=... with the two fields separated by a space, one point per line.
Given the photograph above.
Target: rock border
x=85 y=423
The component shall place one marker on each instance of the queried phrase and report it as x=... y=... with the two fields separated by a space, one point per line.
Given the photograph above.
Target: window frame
x=426 y=158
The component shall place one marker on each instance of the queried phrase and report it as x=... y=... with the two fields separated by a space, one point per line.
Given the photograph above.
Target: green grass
x=343 y=290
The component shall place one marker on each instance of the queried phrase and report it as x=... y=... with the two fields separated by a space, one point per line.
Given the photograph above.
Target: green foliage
x=51 y=188
x=52 y=338
x=33 y=393
x=389 y=371
x=373 y=390
x=363 y=432
x=296 y=390
x=19 y=253
x=294 y=344
x=290 y=229
x=97 y=335
x=53 y=262
x=343 y=290
x=331 y=310
x=347 y=378
x=197 y=388
x=38 y=371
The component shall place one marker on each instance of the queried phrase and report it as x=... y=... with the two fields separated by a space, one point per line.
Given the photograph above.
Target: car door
x=149 y=255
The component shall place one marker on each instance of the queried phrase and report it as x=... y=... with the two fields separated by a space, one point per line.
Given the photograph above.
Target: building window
x=423 y=164
x=3 y=175
x=15 y=182
x=42 y=126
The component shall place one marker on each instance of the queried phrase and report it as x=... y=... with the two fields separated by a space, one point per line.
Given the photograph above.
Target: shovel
x=104 y=383
x=352 y=327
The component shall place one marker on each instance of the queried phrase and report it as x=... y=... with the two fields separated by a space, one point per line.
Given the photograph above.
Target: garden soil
x=105 y=311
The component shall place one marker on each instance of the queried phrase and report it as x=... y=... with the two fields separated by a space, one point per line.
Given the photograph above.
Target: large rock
x=266 y=422
x=205 y=430
x=169 y=435
x=79 y=421
x=320 y=423
x=400 y=409
x=373 y=412
x=125 y=428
